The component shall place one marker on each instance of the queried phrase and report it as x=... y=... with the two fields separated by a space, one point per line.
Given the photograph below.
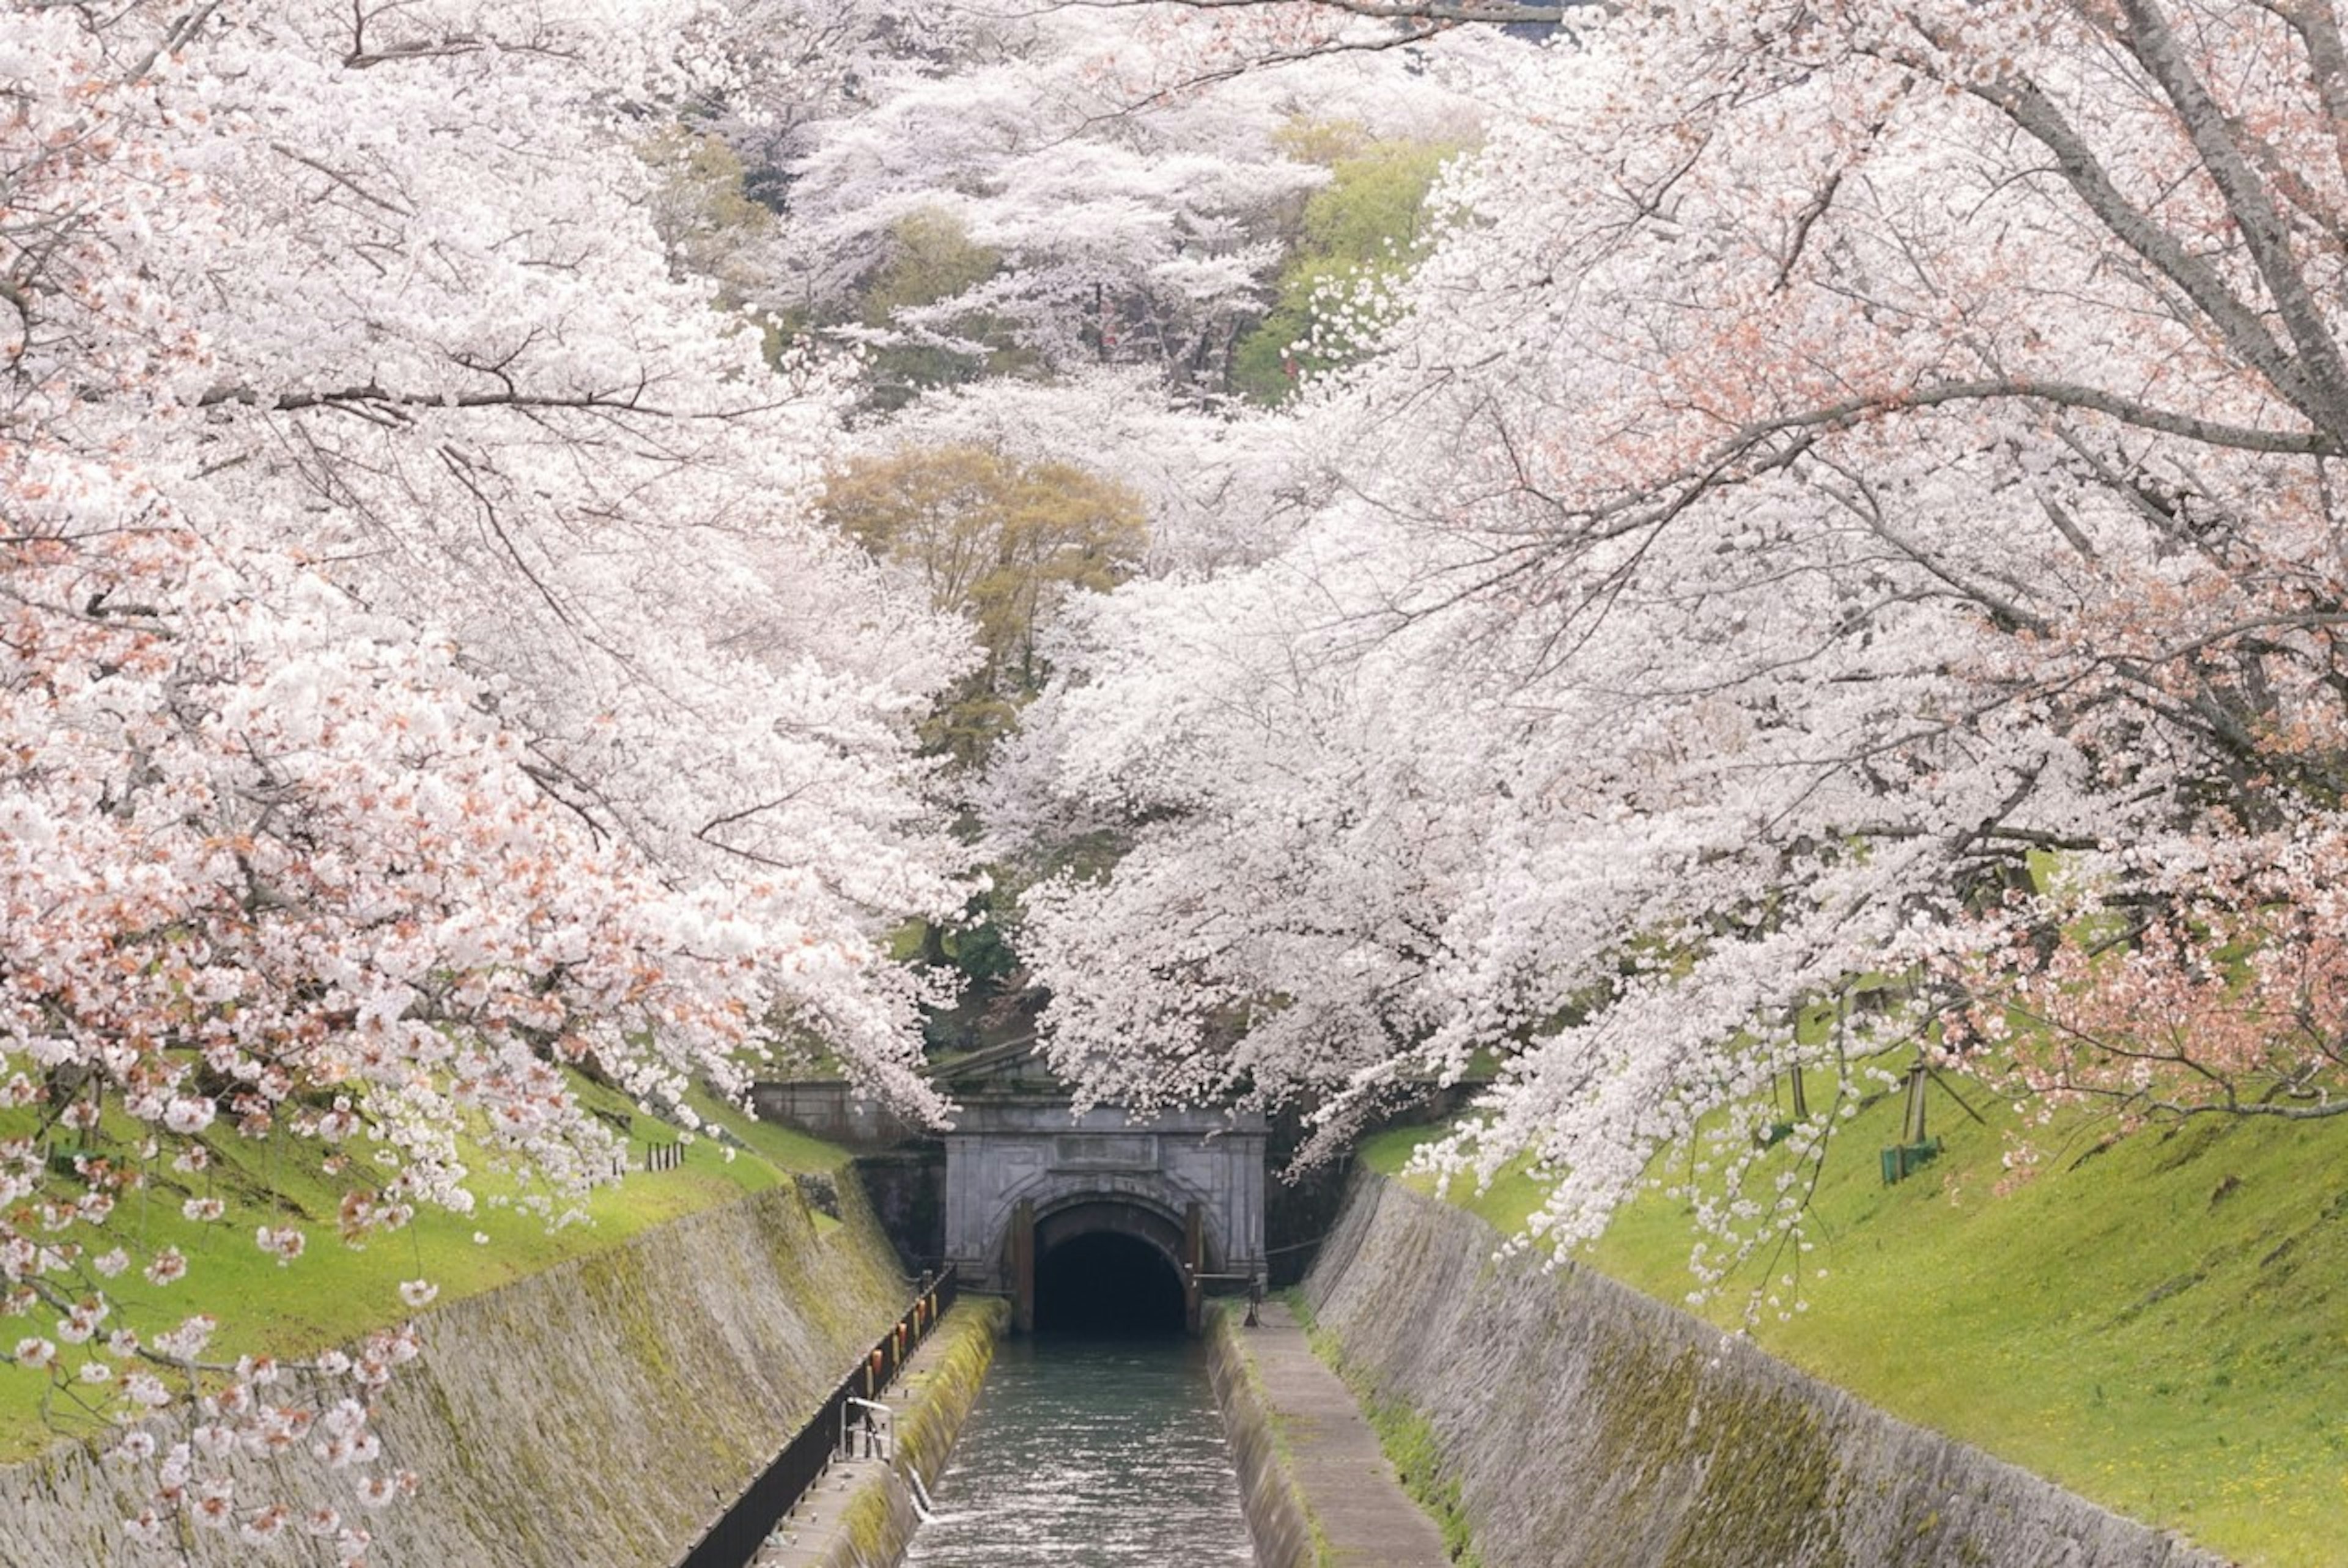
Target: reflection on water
x=1089 y=1453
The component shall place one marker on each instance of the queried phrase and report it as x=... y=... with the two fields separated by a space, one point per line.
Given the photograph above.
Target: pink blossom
x=286 y=1242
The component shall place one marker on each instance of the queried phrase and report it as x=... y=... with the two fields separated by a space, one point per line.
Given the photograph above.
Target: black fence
x=743 y=1529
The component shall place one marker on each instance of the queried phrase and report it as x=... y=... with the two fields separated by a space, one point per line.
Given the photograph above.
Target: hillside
x=332 y=1294
x=2156 y=1323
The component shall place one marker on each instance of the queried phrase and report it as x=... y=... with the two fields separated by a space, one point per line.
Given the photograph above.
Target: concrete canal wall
x=1590 y=1427
x=598 y=1415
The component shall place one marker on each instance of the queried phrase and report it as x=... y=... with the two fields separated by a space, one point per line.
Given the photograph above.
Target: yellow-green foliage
x=932 y=258
x=996 y=541
x=1369 y=222
x=2157 y=1322
x=710 y=227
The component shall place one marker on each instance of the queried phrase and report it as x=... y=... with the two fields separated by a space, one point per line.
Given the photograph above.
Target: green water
x=1089 y=1453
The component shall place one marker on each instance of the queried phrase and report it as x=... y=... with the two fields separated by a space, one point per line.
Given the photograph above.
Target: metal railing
x=873 y=1421
x=741 y=1530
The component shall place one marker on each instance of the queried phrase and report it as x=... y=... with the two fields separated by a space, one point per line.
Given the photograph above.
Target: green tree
x=1368 y=225
x=931 y=257
x=998 y=541
x=707 y=224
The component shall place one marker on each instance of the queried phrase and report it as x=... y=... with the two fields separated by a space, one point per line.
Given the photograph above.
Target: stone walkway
x=813 y=1534
x=1354 y=1497
x=810 y=1536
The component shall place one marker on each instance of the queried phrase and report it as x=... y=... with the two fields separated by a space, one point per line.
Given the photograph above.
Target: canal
x=1088 y=1450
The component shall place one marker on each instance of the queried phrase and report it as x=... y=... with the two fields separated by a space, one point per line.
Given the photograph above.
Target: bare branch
x=1492 y=12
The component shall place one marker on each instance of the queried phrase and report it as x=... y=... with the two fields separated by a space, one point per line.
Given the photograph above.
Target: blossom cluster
x=421 y=674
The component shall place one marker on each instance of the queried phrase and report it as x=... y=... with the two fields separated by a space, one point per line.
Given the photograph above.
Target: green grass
x=1408 y=1439
x=2160 y=1324
x=333 y=1294
x=785 y=1148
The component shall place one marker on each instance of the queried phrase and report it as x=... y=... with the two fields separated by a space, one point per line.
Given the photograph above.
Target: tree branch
x=2148 y=39
x=630 y=401
x=1497 y=13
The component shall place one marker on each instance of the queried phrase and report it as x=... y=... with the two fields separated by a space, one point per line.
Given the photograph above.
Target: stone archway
x=1183 y=1189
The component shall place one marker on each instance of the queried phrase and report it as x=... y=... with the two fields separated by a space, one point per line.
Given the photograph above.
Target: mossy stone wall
x=599 y=1414
x=1590 y=1427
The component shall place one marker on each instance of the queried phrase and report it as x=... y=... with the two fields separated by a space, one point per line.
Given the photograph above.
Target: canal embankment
x=596 y=1415
x=865 y=1509
x=1315 y=1481
x=1587 y=1426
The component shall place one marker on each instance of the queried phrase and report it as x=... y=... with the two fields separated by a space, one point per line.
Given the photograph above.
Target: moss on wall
x=598 y=1415
x=932 y=1404
x=1580 y=1422
x=1770 y=1485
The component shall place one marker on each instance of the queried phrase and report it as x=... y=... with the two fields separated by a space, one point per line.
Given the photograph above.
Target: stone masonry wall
x=1590 y=1427
x=598 y=1415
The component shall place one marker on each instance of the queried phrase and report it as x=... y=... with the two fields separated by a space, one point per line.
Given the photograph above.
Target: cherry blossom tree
x=1128 y=198
x=1835 y=453
x=420 y=670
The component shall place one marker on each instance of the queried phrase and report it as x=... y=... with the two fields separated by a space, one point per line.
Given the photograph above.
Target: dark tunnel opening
x=1106 y=1282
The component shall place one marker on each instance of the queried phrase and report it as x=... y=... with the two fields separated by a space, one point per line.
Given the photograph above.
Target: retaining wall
x=597 y=1414
x=832 y=1111
x=1590 y=1427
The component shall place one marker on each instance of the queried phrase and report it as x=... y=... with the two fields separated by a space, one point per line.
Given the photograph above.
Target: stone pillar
x=1020 y=1243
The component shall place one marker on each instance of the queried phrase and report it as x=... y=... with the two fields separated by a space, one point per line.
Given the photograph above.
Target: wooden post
x=1023 y=1267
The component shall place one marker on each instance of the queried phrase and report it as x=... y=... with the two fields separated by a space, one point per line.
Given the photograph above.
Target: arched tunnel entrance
x=1107 y=1268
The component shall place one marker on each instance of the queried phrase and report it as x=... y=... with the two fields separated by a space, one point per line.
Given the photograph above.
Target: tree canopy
x=1001 y=542
x=421 y=668
x=1812 y=543
x=1848 y=500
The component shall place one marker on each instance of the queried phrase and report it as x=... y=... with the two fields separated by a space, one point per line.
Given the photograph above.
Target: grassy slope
x=333 y=1294
x=2161 y=1326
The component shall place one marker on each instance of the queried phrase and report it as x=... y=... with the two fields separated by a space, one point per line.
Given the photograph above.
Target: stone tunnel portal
x=1091 y=1219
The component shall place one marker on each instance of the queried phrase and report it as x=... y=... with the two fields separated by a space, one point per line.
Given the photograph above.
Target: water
x=1089 y=1453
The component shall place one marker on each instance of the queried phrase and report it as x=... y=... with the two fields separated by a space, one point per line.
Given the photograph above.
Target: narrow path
x=817 y=1533
x=1351 y=1489
x=814 y=1534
